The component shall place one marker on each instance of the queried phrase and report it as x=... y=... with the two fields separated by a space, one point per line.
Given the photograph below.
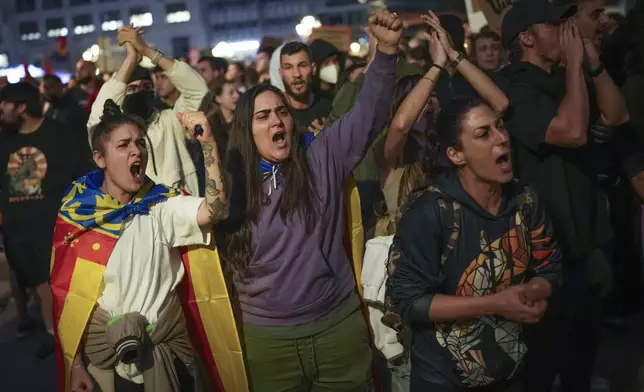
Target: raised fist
x=387 y=28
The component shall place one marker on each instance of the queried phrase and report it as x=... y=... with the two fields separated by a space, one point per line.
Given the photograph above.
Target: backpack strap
x=450 y=216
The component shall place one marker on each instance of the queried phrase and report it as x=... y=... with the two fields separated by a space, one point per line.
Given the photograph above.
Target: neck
x=301 y=105
x=171 y=99
x=227 y=115
x=30 y=125
x=111 y=189
x=487 y=195
x=539 y=61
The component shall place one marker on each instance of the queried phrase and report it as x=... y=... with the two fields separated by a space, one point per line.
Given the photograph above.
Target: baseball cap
x=526 y=13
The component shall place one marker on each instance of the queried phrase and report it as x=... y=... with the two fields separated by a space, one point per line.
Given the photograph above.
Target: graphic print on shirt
x=26 y=172
x=500 y=264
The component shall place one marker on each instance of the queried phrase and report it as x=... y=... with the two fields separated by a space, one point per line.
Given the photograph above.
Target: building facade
x=32 y=29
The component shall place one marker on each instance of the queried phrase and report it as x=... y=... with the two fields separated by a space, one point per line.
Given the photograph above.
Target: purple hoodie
x=294 y=277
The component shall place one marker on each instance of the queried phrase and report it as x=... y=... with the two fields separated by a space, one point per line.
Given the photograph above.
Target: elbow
x=578 y=138
x=621 y=119
x=399 y=124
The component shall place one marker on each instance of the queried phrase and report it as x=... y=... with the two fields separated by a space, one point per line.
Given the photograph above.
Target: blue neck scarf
x=272 y=172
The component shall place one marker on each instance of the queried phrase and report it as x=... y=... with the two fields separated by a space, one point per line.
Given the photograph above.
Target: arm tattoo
x=217 y=208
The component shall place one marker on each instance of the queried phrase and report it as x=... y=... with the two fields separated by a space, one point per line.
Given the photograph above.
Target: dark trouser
x=418 y=385
x=565 y=342
x=337 y=359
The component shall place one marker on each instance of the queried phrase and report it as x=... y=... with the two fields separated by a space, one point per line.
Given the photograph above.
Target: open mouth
x=279 y=138
x=136 y=170
x=504 y=161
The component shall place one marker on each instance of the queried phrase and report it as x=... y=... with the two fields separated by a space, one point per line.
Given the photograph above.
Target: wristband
x=78 y=366
x=437 y=66
x=598 y=71
x=157 y=58
x=457 y=60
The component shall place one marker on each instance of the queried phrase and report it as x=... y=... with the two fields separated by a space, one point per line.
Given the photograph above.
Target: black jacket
x=491 y=253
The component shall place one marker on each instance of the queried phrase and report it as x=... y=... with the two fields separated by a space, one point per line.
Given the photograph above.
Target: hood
x=274 y=69
x=450 y=185
x=321 y=50
x=529 y=75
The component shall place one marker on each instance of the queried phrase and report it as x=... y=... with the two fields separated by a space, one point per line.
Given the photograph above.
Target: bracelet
x=159 y=55
x=457 y=60
x=430 y=79
x=437 y=66
x=596 y=72
x=78 y=366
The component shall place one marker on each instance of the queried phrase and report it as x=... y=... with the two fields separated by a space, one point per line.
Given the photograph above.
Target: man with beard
x=131 y=87
x=297 y=69
x=39 y=162
x=87 y=84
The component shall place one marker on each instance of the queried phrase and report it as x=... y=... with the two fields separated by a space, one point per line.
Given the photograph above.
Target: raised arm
x=569 y=128
x=216 y=206
x=345 y=142
x=412 y=106
x=610 y=101
x=114 y=88
x=483 y=85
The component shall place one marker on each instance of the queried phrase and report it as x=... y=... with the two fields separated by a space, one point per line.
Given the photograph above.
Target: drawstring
x=273 y=180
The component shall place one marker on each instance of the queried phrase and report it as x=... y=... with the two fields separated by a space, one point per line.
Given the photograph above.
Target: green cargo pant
x=337 y=359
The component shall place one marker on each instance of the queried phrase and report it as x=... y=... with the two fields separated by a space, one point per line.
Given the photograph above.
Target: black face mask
x=140 y=104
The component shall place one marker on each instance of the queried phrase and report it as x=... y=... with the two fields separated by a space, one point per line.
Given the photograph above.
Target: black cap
x=526 y=13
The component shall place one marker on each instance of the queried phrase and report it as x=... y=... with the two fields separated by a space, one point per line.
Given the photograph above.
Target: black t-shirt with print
x=319 y=109
x=38 y=168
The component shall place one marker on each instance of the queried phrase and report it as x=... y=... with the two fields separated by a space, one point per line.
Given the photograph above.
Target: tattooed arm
x=215 y=207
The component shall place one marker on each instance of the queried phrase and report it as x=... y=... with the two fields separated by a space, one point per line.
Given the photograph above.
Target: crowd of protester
x=423 y=218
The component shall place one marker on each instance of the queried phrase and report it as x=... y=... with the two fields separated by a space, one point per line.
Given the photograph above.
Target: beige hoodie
x=169 y=161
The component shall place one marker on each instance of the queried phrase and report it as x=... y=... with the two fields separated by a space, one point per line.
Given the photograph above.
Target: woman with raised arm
x=120 y=258
x=283 y=243
x=400 y=158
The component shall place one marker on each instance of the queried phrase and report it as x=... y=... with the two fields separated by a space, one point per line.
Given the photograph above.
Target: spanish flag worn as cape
x=87 y=228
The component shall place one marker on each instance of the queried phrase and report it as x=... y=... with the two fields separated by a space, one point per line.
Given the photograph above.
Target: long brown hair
x=234 y=236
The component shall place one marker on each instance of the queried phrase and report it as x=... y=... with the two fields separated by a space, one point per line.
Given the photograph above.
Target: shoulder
x=422 y=205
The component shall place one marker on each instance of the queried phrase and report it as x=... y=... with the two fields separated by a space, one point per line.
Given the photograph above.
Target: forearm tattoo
x=217 y=207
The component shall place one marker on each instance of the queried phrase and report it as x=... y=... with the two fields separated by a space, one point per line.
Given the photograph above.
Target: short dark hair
x=24 y=93
x=267 y=49
x=216 y=63
x=493 y=35
x=515 y=51
x=294 y=47
x=52 y=78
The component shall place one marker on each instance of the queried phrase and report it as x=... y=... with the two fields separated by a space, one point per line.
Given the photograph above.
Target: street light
x=306 y=26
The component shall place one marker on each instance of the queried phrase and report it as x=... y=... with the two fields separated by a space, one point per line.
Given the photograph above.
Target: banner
x=494 y=11
x=338 y=36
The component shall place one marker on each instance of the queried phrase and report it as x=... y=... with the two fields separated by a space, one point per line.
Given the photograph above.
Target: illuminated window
x=176 y=13
x=111 y=20
x=4 y=60
x=56 y=27
x=83 y=24
x=141 y=17
x=29 y=31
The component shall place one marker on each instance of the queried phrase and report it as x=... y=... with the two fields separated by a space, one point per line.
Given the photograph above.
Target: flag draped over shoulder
x=87 y=228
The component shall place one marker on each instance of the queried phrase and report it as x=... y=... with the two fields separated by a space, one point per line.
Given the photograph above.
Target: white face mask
x=329 y=74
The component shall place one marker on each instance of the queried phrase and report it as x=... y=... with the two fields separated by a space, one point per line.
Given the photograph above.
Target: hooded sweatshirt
x=491 y=253
x=295 y=278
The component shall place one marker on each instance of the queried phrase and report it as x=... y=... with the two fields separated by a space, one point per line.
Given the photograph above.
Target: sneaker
x=46 y=350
